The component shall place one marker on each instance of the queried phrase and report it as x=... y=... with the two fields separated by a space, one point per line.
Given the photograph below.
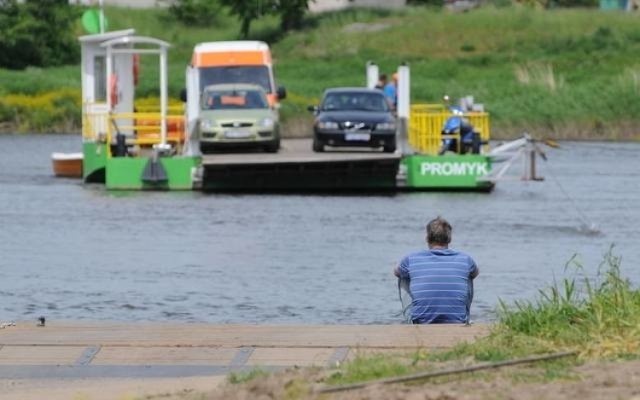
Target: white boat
x=68 y=165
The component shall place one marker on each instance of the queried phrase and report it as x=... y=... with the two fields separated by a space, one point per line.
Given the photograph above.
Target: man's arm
x=400 y=269
x=474 y=272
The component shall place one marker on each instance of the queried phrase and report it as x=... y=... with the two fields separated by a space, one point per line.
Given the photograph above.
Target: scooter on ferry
x=458 y=134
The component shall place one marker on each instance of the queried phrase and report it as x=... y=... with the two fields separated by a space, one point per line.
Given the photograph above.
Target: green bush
x=431 y=3
x=37 y=33
x=575 y=3
x=57 y=111
x=196 y=12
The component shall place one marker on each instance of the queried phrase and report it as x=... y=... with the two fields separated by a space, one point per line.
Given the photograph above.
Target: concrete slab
x=104 y=389
x=40 y=355
x=164 y=356
x=92 y=350
x=299 y=356
x=235 y=336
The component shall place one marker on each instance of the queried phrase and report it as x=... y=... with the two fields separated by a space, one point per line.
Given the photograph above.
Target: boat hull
x=67 y=165
x=447 y=172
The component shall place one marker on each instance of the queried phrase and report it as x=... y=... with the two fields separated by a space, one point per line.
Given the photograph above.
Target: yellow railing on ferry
x=426 y=122
x=95 y=121
x=143 y=128
x=147 y=108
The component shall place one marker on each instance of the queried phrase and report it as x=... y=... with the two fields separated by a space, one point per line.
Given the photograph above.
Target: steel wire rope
x=586 y=223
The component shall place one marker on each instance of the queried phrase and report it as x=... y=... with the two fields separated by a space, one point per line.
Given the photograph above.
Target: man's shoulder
x=415 y=255
x=419 y=253
x=465 y=256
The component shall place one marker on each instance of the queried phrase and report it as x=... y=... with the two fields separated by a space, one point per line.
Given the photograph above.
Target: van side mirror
x=312 y=108
x=183 y=95
x=282 y=93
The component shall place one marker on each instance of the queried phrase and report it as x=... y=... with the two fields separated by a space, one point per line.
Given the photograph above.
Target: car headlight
x=327 y=125
x=266 y=123
x=207 y=124
x=386 y=126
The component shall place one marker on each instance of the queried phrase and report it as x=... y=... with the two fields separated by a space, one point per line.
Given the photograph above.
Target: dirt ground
x=593 y=381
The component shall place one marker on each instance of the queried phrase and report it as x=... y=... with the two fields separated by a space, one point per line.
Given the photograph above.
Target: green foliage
x=50 y=112
x=364 y=368
x=430 y=3
x=291 y=13
x=196 y=12
x=561 y=73
x=37 y=33
x=575 y=3
x=598 y=317
x=247 y=11
x=242 y=377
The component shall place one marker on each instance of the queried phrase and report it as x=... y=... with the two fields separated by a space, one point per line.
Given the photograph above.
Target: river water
x=74 y=251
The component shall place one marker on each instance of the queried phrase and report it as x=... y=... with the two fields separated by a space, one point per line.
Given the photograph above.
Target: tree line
x=42 y=33
x=37 y=33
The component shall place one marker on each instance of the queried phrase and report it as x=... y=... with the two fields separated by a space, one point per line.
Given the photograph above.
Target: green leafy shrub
x=431 y=3
x=37 y=33
x=196 y=12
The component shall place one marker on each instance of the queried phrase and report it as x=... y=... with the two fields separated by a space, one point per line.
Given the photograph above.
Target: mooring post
x=372 y=74
x=403 y=109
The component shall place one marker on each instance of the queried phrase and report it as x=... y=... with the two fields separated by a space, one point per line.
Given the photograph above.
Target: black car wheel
x=273 y=147
x=389 y=148
x=318 y=146
x=204 y=149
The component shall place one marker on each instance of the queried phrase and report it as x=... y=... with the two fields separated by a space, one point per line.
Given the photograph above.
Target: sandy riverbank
x=592 y=381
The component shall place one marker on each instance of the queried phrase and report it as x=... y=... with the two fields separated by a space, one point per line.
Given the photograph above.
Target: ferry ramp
x=297 y=168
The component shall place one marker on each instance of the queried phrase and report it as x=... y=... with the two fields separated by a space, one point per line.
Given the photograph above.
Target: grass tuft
x=242 y=377
x=599 y=317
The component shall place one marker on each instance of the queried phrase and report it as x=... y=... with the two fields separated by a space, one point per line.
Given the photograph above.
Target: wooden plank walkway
x=78 y=349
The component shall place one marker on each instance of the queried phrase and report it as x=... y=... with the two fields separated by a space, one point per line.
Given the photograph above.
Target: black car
x=354 y=117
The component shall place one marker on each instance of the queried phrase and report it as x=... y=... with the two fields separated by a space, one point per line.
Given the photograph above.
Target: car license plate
x=364 y=137
x=237 y=134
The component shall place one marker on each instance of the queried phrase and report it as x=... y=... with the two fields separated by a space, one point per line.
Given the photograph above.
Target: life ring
x=113 y=89
x=136 y=68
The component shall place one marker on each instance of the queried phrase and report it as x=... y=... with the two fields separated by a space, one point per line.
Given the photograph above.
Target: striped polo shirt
x=440 y=285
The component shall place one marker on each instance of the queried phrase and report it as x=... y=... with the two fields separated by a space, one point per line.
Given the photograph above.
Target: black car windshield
x=352 y=101
x=233 y=99
x=257 y=75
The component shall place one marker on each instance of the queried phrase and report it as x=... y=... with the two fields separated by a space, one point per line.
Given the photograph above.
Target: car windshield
x=233 y=99
x=360 y=101
x=257 y=75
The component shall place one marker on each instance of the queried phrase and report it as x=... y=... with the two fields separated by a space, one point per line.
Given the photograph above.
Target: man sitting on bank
x=440 y=279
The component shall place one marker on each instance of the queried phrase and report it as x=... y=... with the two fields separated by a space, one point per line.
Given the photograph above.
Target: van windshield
x=233 y=99
x=255 y=74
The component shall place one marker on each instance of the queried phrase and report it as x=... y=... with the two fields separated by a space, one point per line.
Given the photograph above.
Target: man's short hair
x=439 y=231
